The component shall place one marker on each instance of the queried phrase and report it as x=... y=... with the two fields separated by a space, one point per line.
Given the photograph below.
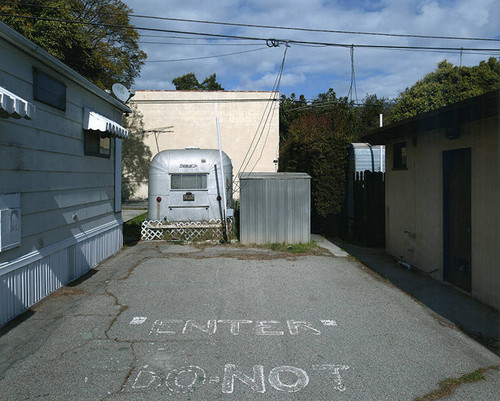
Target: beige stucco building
x=249 y=126
x=443 y=194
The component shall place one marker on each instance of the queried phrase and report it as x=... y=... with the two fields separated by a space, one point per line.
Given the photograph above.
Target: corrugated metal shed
x=275 y=208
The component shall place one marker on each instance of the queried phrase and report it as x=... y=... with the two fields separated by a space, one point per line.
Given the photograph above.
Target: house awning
x=96 y=122
x=13 y=106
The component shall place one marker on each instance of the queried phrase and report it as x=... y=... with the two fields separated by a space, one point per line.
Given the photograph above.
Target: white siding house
x=60 y=174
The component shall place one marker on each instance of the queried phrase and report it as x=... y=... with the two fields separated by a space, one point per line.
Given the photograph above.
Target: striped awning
x=13 y=106
x=96 y=122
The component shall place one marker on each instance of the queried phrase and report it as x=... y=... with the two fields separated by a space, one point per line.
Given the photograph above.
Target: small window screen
x=188 y=181
x=399 y=156
x=49 y=90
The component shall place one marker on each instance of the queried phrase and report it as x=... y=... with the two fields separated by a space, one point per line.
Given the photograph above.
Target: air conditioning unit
x=10 y=221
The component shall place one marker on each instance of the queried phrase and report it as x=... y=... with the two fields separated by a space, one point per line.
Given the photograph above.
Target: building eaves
x=28 y=47
x=453 y=115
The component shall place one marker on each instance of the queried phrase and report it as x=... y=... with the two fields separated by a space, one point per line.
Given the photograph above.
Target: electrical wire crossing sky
x=355 y=47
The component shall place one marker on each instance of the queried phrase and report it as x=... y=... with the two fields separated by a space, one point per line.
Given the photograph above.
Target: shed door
x=457 y=217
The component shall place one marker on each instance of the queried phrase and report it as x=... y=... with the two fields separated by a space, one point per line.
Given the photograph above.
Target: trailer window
x=188 y=181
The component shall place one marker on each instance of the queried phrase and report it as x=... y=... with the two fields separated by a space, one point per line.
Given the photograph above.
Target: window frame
x=101 y=135
x=182 y=188
x=57 y=101
x=399 y=156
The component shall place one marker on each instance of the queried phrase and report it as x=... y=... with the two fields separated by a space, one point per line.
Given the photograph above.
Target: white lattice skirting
x=190 y=231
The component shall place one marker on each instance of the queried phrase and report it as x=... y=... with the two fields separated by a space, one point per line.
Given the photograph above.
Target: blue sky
x=311 y=70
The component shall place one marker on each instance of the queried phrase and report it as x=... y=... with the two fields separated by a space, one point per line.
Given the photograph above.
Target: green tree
x=189 y=82
x=136 y=156
x=291 y=108
x=94 y=37
x=369 y=113
x=448 y=84
x=316 y=144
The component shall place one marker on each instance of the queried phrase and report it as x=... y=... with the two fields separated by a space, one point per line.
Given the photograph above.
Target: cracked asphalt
x=165 y=321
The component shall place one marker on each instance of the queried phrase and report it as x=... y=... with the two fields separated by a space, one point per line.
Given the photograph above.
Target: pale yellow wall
x=486 y=212
x=189 y=119
x=414 y=203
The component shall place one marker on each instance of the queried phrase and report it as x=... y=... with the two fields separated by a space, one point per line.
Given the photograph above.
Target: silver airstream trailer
x=187 y=185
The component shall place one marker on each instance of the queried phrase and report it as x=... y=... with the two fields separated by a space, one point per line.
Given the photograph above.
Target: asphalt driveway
x=164 y=321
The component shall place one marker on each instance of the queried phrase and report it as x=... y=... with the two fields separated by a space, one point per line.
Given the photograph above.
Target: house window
x=399 y=156
x=49 y=90
x=97 y=143
x=188 y=181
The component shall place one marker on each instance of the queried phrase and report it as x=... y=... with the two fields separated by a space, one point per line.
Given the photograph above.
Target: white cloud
x=312 y=70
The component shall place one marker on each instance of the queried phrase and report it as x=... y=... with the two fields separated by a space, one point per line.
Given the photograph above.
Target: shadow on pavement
x=478 y=320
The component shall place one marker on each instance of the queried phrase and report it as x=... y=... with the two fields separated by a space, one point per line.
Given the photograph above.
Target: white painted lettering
x=210 y=328
x=262 y=327
x=186 y=379
x=138 y=320
x=235 y=325
x=256 y=383
x=145 y=379
x=334 y=371
x=295 y=325
x=164 y=327
x=277 y=383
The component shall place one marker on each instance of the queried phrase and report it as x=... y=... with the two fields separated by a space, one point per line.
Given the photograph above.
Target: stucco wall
x=249 y=125
x=414 y=203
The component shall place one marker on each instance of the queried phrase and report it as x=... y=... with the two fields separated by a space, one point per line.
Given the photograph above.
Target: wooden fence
x=369 y=208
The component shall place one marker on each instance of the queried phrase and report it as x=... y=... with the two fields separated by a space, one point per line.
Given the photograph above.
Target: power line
x=188 y=38
x=289 y=41
x=400 y=35
x=205 y=57
x=353 y=77
x=196 y=44
x=277 y=82
x=277 y=27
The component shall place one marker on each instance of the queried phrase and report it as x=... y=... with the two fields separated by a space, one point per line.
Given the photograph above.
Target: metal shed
x=275 y=208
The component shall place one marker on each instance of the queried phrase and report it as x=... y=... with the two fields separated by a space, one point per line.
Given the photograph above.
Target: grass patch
x=132 y=230
x=447 y=386
x=301 y=248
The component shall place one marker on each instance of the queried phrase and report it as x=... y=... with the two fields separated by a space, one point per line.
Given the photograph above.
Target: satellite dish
x=121 y=92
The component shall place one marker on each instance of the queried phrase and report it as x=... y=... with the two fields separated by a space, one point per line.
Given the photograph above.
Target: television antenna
x=157 y=131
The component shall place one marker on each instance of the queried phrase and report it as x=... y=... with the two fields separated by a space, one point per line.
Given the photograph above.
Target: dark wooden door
x=457 y=217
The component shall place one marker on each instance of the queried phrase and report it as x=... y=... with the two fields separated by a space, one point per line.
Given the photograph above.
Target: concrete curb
x=324 y=243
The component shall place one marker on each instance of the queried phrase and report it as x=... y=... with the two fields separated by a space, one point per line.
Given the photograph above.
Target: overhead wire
x=289 y=41
x=276 y=90
x=276 y=27
x=205 y=57
x=353 y=77
x=267 y=114
x=196 y=44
